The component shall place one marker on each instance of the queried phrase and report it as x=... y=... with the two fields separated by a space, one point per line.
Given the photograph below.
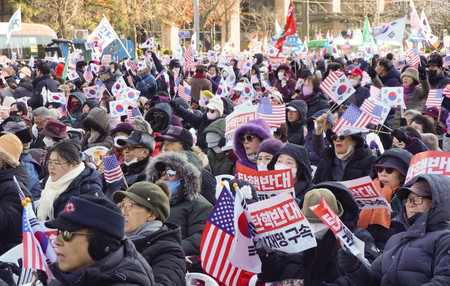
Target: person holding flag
x=285 y=81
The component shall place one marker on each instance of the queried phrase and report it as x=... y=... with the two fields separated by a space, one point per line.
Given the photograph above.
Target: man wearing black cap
x=176 y=139
x=91 y=249
x=107 y=77
x=137 y=150
x=437 y=78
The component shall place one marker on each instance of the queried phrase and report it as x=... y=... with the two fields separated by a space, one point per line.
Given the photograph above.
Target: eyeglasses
x=249 y=138
x=55 y=164
x=417 y=200
x=128 y=206
x=131 y=147
x=334 y=137
x=171 y=173
x=68 y=235
x=381 y=169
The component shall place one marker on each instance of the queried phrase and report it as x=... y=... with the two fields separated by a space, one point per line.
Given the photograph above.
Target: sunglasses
x=68 y=235
x=381 y=169
x=249 y=138
x=210 y=110
x=334 y=137
x=171 y=173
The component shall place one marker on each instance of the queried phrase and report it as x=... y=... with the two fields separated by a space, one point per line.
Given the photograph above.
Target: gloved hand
x=262 y=249
x=372 y=72
x=422 y=72
x=401 y=136
x=348 y=262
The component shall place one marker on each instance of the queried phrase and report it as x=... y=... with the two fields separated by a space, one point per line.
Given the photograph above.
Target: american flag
x=88 y=76
x=101 y=86
x=176 y=80
x=184 y=91
x=354 y=117
x=435 y=97
x=414 y=58
x=367 y=106
x=112 y=172
x=189 y=54
x=130 y=65
x=62 y=110
x=160 y=74
x=375 y=93
x=446 y=91
x=446 y=61
x=274 y=115
x=374 y=110
x=216 y=241
x=130 y=81
x=132 y=113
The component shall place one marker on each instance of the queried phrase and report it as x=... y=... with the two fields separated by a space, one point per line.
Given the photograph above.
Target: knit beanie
x=216 y=103
x=412 y=73
x=431 y=141
x=10 y=149
x=313 y=198
x=122 y=127
x=154 y=197
x=270 y=145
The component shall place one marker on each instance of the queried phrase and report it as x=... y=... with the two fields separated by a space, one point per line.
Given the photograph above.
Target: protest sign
x=366 y=194
x=106 y=59
x=347 y=240
x=430 y=162
x=281 y=224
x=239 y=116
x=276 y=61
x=267 y=183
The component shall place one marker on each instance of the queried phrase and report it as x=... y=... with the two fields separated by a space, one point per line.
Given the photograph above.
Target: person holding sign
x=421 y=254
x=388 y=174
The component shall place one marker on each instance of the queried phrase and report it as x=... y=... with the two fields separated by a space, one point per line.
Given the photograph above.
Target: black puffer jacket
x=163 y=252
x=124 y=266
x=421 y=254
x=39 y=83
x=97 y=119
x=24 y=89
x=295 y=129
x=11 y=207
x=392 y=78
x=318 y=102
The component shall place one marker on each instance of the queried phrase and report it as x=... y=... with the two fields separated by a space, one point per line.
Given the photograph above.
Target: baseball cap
x=176 y=133
x=138 y=137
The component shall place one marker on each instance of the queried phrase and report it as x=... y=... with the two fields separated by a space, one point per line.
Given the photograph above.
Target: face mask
x=211 y=116
x=307 y=91
x=262 y=167
x=217 y=149
x=35 y=131
x=285 y=167
x=103 y=78
x=319 y=229
x=48 y=142
x=113 y=70
x=432 y=73
x=116 y=139
x=13 y=113
x=280 y=75
x=21 y=75
x=354 y=82
x=134 y=160
x=174 y=186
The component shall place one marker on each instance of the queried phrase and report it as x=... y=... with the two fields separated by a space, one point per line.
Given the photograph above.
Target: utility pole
x=196 y=25
x=305 y=19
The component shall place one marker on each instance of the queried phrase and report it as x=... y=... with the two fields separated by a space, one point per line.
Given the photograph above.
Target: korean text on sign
x=430 y=162
x=366 y=194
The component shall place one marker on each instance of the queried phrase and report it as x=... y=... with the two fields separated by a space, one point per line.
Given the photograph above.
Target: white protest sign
x=347 y=240
x=239 y=116
x=281 y=224
x=267 y=183
x=366 y=194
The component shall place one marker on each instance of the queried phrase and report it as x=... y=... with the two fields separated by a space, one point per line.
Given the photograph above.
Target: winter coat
x=300 y=154
x=421 y=254
x=258 y=127
x=296 y=129
x=188 y=208
x=215 y=81
x=318 y=102
x=24 y=88
x=439 y=82
x=97 y=119
x=34 y=170
x=358 y=97
x=39 y=83
x=163 y=252
x=208 y=181
x=147 y=85
x=10 y=206
x=356 y=166
x=124 y=266
x=87 y=182
x=165 y=123
x=76 y=112
x=391 y=79
x=288 y=90
x=198 y=83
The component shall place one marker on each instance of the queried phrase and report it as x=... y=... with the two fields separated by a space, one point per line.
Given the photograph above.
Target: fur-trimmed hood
x=178 y=161
x=97 y=119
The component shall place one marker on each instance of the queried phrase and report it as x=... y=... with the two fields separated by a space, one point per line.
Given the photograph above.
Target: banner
x=429 y=162
x=238 y=117
x=267 y=183
x=281 y=224
x=276 y=61
x=347 y=240
x=366 y=194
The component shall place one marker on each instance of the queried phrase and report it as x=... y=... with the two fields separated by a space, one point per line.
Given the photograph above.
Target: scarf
x=53 y=190
x=407 y=90
x=344 y=157
x=306 y=98
x=145 y=230
x=199 y=75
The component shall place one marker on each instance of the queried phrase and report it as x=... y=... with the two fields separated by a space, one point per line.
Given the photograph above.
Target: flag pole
x=125 y=181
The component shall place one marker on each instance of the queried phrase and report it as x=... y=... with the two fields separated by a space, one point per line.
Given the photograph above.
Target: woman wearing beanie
x=388 y=174
x=413 y=93
x=10 y=205
x=68 y=176
x=188 y=208
x=122 y=131
x=267 y=149
x=146 y=208
x=247 y=139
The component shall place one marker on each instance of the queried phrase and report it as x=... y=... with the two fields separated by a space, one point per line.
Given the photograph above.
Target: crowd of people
x=139 y=230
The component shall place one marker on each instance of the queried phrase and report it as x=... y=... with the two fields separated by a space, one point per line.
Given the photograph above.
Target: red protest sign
x=282 y=225
x=276 y=61
x=267 y=183
x=366 y=194
x=430 y=162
